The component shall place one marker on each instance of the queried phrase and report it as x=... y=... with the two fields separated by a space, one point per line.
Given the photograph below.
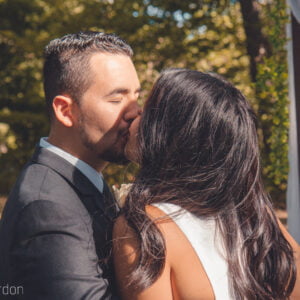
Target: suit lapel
x=90 y=195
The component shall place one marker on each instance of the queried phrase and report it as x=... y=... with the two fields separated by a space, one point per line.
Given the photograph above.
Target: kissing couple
x=197 y=222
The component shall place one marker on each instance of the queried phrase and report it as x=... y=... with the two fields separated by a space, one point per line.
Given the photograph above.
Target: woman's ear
x=62 y=107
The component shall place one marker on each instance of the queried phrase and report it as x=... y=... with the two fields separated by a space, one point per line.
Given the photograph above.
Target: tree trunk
x=296 y=59
x=257 y=44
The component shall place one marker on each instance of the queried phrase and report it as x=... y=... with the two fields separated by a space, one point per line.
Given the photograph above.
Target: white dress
x=202 y=235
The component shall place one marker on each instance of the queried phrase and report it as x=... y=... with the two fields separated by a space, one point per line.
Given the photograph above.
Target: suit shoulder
x=39 y=182
x=47 y=216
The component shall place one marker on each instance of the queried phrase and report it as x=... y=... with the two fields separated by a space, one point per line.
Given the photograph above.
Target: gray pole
x=293 y=191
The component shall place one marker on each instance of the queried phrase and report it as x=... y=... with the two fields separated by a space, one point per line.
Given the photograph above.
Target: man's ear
x=62 y=106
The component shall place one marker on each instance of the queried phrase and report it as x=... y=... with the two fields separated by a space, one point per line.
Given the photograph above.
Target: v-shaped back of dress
x=207 y=243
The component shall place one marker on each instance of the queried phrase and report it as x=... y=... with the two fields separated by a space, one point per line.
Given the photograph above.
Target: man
x=56 y=226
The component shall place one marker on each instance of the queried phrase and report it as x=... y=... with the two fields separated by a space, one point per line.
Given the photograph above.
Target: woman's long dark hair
x=199 y=150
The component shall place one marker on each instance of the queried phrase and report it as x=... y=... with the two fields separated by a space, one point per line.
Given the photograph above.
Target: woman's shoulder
x=123 y=230
x=157 y=215
x=126 y=253
x=126 y=239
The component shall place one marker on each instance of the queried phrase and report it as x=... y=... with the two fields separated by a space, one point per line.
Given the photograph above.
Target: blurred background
x=245 y=41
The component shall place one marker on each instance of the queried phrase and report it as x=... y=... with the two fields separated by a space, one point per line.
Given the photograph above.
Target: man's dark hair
x=66 y=68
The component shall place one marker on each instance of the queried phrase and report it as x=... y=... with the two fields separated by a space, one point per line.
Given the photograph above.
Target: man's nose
x=132 y=111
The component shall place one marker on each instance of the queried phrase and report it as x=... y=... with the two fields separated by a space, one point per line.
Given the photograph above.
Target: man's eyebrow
x=117 y=91
x=121 y=91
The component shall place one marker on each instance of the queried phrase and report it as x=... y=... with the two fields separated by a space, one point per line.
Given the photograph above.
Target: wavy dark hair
x=199 y=150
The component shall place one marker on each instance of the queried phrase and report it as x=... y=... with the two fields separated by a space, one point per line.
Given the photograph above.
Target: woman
x=197 y=223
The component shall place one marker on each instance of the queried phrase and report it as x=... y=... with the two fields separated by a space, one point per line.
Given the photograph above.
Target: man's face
x=107 y=109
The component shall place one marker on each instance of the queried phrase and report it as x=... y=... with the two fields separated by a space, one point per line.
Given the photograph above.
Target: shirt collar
x=94 y=176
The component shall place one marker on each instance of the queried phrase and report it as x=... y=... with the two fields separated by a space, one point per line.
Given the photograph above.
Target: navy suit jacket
x=55 y=234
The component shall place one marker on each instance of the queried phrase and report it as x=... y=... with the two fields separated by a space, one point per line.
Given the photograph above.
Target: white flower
x=121 y=193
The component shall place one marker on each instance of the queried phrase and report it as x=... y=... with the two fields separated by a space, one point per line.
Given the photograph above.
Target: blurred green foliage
x=205 y=35
x=272 y=91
